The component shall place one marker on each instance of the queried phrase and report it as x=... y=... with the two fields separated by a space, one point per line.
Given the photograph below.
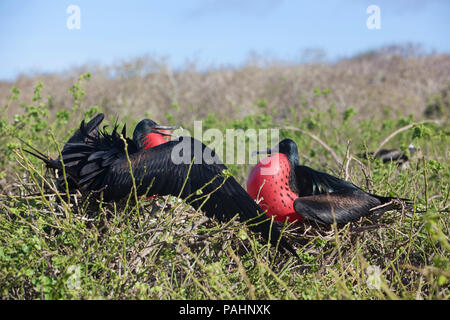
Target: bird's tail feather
x=53 y=164
x=401 y=203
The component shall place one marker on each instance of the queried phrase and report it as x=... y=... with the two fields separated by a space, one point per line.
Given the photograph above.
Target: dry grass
x=163 y=249
x=370 y=83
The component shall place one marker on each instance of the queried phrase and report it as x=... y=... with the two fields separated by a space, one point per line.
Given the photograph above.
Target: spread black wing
x=84 y=133
x=86 y=130
x=325 y=198
x=160 y=170
x=343 y=206
x=311 y=182
x=94 y=155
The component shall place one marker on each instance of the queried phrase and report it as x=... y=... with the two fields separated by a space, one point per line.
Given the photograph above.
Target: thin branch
x=323 y=144
x=393 y=134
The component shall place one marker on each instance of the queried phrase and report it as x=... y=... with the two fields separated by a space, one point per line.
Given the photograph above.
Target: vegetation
x=54 y=246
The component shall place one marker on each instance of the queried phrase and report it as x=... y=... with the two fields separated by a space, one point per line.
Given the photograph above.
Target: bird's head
x=287 y=147
x=148 y=133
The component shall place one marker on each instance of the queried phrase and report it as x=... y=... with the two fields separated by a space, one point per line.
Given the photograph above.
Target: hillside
x=57 y=247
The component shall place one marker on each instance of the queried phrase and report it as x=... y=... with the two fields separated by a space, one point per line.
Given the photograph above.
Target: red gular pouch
x=269 y=181
x=155 y=139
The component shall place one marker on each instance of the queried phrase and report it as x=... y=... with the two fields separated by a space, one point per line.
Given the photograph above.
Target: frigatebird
x=100 y=165
x=391 y=155
x=294 y=192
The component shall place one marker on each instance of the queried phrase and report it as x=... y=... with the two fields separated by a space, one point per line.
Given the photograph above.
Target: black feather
x=324 y=198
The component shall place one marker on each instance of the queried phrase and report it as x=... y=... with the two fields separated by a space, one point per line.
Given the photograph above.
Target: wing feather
x=341 y=206
x=311 y=182
x=324 y=198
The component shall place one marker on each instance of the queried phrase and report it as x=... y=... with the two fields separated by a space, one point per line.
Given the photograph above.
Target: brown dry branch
x=393 y=134
x=323 y=144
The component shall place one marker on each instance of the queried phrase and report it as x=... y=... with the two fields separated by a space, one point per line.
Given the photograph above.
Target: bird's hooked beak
x=162 y=130
x=265 y=151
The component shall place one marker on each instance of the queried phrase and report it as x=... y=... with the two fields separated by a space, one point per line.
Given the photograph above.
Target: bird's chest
x=269 y=183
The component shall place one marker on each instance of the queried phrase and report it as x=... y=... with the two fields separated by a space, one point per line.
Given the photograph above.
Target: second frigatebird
x=101 y=164
x=393 y=155
x=292 y=191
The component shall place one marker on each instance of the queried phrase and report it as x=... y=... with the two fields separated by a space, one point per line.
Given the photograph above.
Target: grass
x=57 y=247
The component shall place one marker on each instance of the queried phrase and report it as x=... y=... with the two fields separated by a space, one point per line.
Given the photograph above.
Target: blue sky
x=34 y=36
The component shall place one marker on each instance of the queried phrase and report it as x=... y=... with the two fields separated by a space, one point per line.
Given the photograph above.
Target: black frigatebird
x=292 y=191
x=392 y=155
x=100 y=163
